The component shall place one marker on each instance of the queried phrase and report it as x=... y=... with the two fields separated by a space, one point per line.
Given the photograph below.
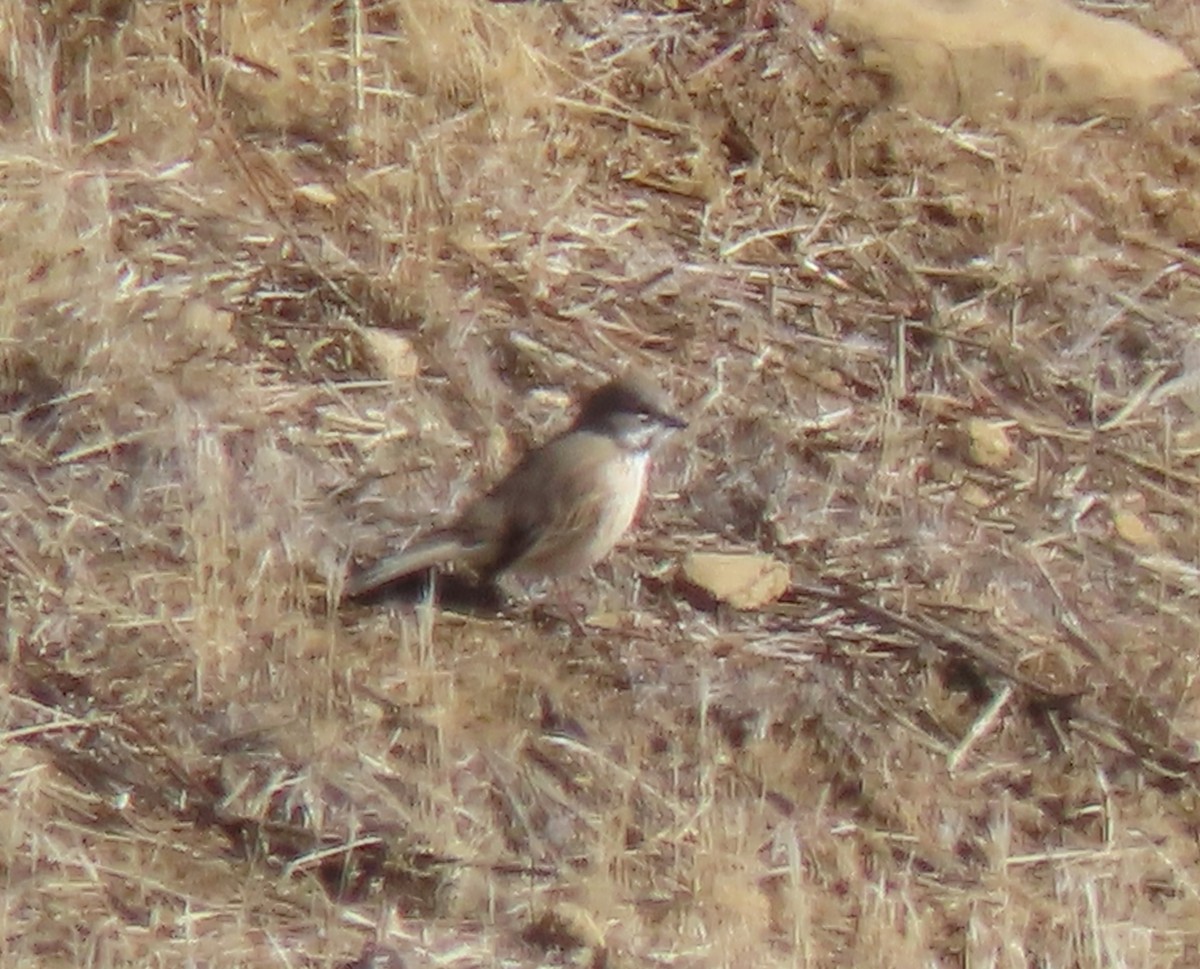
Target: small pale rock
x=974 y=495
x=393 y=353
x=317 y=194
x=828 y=379
x=744 y=580
x=941 y=406
x=951 y=58
x=1133 y=528
x=988 y=443
x=605 y=620
x=212 y=326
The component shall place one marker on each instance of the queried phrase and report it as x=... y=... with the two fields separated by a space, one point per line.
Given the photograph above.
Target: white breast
x=627 y=479
x=591 y=492
x=625 y=483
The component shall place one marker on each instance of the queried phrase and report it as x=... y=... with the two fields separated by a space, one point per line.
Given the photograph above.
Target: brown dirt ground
x=273 y=274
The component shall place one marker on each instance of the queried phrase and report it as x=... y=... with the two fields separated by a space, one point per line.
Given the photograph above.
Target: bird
x=561 y=509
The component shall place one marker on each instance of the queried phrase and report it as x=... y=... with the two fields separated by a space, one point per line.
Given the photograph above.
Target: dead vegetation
x=275 y=280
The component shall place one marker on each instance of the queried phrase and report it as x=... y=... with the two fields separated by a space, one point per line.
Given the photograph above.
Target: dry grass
x=945 y=367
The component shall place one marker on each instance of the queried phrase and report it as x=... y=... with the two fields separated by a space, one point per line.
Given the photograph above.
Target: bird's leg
x=564 y=608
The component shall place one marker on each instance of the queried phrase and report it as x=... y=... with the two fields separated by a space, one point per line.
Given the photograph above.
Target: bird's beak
x=674 y=422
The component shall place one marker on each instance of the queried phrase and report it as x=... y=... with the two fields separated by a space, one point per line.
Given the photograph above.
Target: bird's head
x=632 y=409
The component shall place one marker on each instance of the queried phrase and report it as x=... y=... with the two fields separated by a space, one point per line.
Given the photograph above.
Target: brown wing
x=546 y=511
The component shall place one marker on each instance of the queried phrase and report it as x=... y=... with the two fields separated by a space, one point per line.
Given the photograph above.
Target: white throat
x=637 y=440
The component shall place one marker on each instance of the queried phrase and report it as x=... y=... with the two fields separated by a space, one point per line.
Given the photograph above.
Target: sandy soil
x=282 y=282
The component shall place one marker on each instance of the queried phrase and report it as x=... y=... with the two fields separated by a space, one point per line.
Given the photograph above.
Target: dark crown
x=627 y=394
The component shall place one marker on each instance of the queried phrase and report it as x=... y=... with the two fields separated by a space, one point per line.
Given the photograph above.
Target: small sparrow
x=561 y=509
